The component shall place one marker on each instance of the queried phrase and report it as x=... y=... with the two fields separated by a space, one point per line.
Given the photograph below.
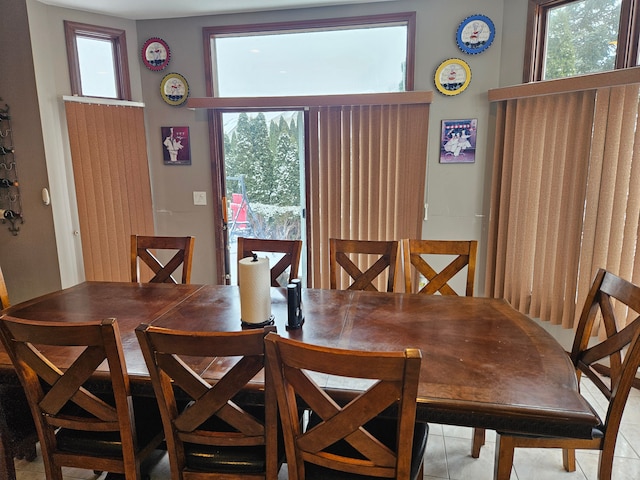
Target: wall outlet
x=199 y=198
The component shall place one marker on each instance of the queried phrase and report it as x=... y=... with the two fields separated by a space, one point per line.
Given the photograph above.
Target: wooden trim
x=628 y=34
x=563 y=85
x=306 y=101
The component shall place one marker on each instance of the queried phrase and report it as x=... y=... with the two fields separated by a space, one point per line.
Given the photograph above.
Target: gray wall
x=456 y=194
x=29 y=260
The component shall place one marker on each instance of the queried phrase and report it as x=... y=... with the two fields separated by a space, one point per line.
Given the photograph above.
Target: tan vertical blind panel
x=367 y=176
x=109 y=156
x=613 y=198
x=537 y=203
x=565 y=198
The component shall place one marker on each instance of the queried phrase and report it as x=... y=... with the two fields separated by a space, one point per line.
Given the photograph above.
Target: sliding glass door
x=264 y=178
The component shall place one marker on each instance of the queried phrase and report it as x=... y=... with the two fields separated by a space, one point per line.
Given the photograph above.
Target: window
x=97 y=61
x=566 y=38
x=335 y=56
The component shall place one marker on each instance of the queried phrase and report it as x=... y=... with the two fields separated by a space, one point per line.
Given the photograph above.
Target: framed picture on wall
x=175 y=146
x=458 y=141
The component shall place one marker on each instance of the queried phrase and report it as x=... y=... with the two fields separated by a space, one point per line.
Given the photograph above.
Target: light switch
x=199 y=198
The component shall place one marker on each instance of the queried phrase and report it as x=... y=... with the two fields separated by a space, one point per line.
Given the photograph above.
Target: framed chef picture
x=175 y=146
x=458 y=141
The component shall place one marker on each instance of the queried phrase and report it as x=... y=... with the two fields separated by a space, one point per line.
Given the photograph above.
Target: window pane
x=97 y=71
x=360 y=60
x=581 y=38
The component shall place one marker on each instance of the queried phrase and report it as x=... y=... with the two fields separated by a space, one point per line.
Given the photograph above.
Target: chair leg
x=7 y=467
x=605 y=464
x=504 y=458
x=477 y=441
x=569 y=459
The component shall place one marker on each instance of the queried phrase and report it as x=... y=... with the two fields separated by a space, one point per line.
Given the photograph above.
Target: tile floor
x=448 y=449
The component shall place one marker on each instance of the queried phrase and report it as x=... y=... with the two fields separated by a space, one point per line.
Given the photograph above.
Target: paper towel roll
x=254 y=279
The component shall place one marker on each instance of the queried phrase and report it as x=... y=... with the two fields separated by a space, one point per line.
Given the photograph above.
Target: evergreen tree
x=260 y=178
x=287 y=168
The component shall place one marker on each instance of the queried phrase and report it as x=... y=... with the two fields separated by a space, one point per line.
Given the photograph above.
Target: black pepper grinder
x=294 y=305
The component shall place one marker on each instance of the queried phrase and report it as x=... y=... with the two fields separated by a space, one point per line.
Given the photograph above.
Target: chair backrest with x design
x=290 y=250
x=614 y=304
x=143 y=248
x=464 y=255
x=78 y=425
x=616 y=300
x=341 y=435
x=215 y=433
x=342 y=253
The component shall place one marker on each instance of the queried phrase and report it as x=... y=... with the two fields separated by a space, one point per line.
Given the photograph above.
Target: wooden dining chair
x=609 y=295
x=18 y=435
x=372 y=435
x=381 y=256
x=4 y=293
x=290 y=250
x=81 y=422
x=215 y=436
x=459 y=254
x=462 y=254
x=143 y=248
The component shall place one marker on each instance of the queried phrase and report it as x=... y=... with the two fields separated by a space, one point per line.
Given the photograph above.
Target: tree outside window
x=578 y=37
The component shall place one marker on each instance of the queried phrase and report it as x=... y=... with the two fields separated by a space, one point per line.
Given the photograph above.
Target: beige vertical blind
x=565 y=197
x=111 y=172
x=367 y=176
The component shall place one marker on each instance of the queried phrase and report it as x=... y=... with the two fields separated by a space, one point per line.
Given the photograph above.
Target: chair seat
x=235 y=459
x=207 y=458
x=386 y=431
x=148 y=426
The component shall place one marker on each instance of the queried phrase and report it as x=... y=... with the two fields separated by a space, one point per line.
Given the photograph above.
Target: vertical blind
x=565 y=199
x=367 y=176
x=113 y=190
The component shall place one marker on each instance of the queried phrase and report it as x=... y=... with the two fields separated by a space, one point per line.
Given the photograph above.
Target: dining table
x=484 y=364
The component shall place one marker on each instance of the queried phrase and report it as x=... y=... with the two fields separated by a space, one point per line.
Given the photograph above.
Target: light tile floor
x=448 y=457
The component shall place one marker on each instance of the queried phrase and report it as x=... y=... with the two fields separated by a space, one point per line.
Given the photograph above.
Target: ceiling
x=153 y=9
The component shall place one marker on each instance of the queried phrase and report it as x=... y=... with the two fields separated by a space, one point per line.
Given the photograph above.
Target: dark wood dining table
x=484 y=364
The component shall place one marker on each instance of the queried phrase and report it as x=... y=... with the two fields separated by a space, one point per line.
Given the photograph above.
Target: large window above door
x=371 y=54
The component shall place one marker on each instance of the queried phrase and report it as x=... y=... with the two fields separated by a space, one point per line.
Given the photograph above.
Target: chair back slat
x=291 y=251
x=364 y=261
x=214 y=421
x=611 y=300
x=340 y=435
x=143 y=253
x=462 y=254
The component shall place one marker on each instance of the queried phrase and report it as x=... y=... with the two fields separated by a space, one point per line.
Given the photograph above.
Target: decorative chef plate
x=475 y=34
x=452 y=76
x=155 y=54
x=174 y=89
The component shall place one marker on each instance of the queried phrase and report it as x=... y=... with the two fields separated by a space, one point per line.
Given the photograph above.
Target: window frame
x=628 y=36
x=405 y=17
x=118 y=41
